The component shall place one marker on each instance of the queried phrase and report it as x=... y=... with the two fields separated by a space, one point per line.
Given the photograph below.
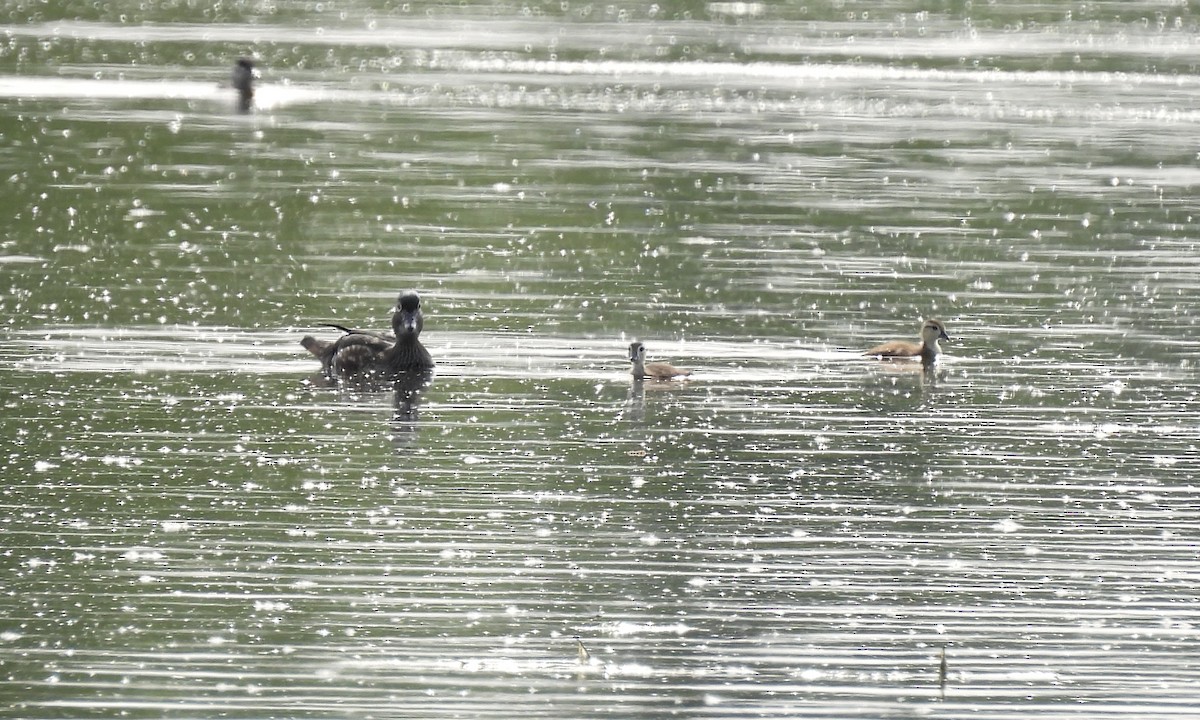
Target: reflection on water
x=408 y=391
x=635 y=403
x=195 y=524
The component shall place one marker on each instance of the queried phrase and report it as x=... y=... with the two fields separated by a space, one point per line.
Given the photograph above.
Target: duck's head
x=932 y=331
x=637 y=352
x=407 y=320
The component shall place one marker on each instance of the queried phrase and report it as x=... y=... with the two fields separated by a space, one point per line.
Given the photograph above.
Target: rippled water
x=197 y=525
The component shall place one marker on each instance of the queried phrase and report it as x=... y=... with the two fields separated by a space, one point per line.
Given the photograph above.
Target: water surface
x=198 y=525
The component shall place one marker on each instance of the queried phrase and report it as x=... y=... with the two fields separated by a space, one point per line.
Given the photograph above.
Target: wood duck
x=655 y=370
x=243 y=82
x=361 y=355
x=927 y=349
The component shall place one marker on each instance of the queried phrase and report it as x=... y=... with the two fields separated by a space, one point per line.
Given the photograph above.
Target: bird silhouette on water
x=243 y=82
x=363 y=357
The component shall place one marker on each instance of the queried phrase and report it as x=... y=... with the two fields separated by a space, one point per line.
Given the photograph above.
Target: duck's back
x=358 y=353
x=896 y=348
x=665 y=371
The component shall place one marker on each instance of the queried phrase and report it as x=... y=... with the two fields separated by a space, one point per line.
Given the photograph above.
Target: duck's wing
x=896 y=348
x=357 y=352
x=665 y=371
x=352 y=331
x=371 y=342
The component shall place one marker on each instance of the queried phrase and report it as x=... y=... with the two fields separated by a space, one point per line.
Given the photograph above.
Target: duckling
x=243 y=82
x=370 y=355
x=655 y=370
x=927 y=349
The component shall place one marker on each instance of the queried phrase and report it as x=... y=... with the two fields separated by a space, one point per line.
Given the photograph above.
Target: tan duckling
x=927 y=349
x=655 y=370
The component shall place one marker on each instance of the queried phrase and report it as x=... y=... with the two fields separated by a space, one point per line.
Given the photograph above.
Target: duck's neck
x=408 y=354
x=929 y=351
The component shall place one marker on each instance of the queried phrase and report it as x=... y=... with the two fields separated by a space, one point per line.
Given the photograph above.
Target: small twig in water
x=585 y=657
x=942 y=672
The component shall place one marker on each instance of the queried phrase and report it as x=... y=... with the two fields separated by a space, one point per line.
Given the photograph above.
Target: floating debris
x=942 y=672
x=585 y=657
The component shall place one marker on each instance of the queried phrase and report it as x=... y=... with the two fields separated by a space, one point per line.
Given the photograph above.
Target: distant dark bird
x=656 y=370
x=927 y=349
x=243 y=82
x=362 y=357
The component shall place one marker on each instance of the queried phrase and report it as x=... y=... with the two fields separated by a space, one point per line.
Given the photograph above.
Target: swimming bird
x=243 y=82
x=655 y=370
x=361 y=356
x=927 y=349
x=370 y=354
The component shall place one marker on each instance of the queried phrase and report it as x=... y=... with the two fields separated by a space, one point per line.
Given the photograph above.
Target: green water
x=198 y=526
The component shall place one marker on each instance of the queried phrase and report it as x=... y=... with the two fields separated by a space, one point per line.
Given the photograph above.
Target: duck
x=243 y=82
x=931 y=331
x=363 y=355
x=656 y=370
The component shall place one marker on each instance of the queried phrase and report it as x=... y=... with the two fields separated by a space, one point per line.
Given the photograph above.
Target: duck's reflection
x=895 y=386
x=408 y=391
x=634 y=409
x=932 y=374
x=635 y=402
